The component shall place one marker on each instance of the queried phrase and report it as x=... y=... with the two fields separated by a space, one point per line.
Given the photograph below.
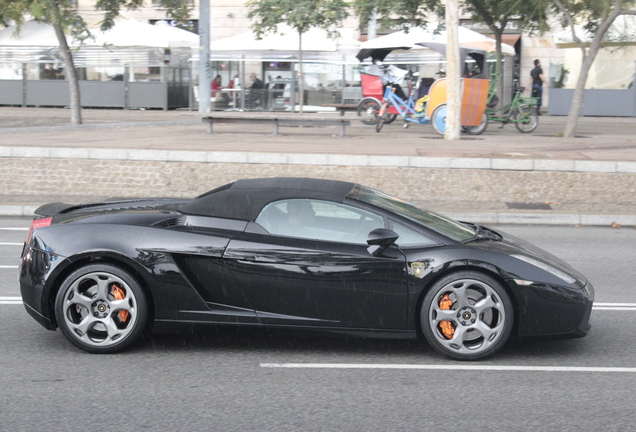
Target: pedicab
x=369 y=105
x=432 y=109
x=474 y=90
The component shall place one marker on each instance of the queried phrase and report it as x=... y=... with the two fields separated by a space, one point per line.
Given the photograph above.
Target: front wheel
x=466 y=316
x=390 y=118
x=480 y=128
x=526 y=119
x=438 y=119
x=379 y=124
x=101 y=308
x=368 y=109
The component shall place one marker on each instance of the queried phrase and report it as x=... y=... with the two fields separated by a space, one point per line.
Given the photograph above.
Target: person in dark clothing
x=536 y=83
x=256 y=83
x=256 y=91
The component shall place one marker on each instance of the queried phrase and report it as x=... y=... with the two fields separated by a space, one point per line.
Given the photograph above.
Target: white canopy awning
x=416 y=35
x=31 y=34
x=125 y=33
x=284 y=44
x=129 y=33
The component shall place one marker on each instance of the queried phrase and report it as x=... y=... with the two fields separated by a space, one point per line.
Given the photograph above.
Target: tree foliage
x=301 y=15
x=398 y=14
x=497 y=14
x=596 y=17
x=177 y=10
x=63 y=17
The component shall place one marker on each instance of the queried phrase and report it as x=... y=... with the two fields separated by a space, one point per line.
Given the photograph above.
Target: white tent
x=405 y=40
x=125 y=33
x=285 y=42
x=31 y=34
x=129 y=33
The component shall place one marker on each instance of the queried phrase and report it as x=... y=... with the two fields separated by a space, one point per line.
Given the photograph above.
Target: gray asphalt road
x=221 y=381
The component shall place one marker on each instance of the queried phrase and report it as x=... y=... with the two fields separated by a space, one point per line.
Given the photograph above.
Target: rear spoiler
x=52 y=209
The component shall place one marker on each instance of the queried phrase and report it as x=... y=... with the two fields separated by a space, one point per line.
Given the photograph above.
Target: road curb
x=494 y=164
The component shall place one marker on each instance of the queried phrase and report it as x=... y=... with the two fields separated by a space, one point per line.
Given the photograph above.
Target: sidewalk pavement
x=601 y=145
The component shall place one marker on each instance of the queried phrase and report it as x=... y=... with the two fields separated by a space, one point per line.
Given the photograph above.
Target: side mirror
x=379 y=240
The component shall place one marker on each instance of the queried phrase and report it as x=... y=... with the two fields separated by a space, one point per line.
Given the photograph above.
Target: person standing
x=536 y=83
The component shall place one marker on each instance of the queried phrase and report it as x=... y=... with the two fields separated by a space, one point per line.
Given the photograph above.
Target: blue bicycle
x=410 y=110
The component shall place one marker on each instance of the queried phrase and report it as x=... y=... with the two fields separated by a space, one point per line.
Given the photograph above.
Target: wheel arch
x=105 y=257
x=483 y=268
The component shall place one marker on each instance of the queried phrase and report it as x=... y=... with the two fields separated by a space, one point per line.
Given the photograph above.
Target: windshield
x=438 y=223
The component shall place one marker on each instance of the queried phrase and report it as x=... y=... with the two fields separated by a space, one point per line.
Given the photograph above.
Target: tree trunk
x=586 y=64
x=453 y=73
x=71 y=76
x=301 y=80
x=578 y=97
x=500 y=83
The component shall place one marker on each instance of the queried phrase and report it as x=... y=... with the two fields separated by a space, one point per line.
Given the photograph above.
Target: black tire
x=389 y=118
x=379 y=124
x=480 y=128
x=368 y=109
x=492 y=103
x=438 y=119
x=466 y=315
x=90 y=314
x=526 y=119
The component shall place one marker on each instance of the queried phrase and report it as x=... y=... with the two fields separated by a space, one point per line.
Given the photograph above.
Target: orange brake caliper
x=446 y=326
x=119 y=294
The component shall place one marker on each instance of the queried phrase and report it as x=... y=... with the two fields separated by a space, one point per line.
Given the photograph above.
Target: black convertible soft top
x=244 y=199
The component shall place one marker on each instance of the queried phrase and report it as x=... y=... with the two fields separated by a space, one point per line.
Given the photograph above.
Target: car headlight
x=543 y=266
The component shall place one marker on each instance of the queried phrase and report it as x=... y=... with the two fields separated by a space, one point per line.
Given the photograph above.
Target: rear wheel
x=101 y=308
x=368 y=109
x=390 y=118
x=438 y=119
x=480 y=128
x=466 y=316
x=526 y=119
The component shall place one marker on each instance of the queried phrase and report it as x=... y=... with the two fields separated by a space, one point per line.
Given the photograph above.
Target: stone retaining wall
x=30 y=176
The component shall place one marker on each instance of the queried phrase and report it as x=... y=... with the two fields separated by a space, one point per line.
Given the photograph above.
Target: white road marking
x=615 y=306
x=13 y=229
x=8 y=266
x=10 y=300
x=447 y=367
x=10 y=244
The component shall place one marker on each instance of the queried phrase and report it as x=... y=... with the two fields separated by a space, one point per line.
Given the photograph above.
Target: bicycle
x=521 y=111
x=411 y=111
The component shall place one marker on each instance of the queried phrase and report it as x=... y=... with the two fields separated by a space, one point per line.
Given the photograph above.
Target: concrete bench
x=276 y=122
x=341 y=108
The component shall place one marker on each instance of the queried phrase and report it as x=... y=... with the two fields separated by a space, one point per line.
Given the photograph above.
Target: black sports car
x=292 y=252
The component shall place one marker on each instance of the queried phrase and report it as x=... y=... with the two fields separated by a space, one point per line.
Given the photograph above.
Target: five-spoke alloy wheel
x=466 y=315
x=101 y=308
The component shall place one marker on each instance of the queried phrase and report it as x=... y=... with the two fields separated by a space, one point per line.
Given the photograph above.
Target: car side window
x=319 y=220
x=408 y=237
